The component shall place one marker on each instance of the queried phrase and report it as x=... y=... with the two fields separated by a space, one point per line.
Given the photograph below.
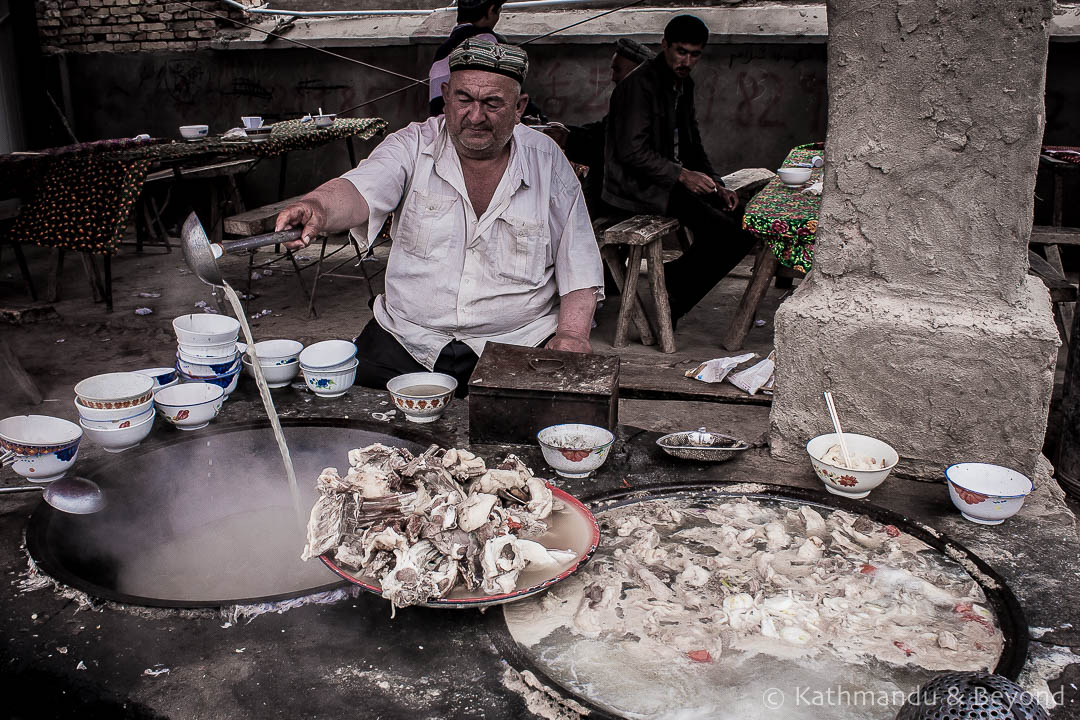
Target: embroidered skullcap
x=632 y=50
x=508 y=60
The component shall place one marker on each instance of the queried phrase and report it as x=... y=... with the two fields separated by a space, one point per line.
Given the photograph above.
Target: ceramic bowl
x=203 y=353
x=794 y=177
x=422 y=396
x=206 y=329
x=121 y=438
x=574 y=450
x=114 y=390
x=987 y=494
x=852 y=483
x=190 y=406
x=207 y=368
x=42 y=447
x=226 y=381
x=163 y=376
x=327 y=355
x=324 y=120
x=194 y=132
x=125 y=422
x=277 y=376
x=330 y=383
x=251 y=121
x=278 y=352
x=89 y=413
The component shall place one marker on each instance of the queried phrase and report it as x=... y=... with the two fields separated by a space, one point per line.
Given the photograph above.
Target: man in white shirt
x=492 y=241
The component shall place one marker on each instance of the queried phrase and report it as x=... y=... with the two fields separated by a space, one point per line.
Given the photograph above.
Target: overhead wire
x=414 y=82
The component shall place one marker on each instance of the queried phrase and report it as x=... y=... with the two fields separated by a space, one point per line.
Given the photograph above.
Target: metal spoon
x=75 y=495
x=201 y=256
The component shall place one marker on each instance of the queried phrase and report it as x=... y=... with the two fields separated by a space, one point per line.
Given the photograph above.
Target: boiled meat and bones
x=422 y=524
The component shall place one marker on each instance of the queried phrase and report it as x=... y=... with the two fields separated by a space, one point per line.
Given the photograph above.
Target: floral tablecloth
x=79 y=197
x=787 y=218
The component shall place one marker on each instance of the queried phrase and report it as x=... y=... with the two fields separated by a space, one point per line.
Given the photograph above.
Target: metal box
x=517 y=391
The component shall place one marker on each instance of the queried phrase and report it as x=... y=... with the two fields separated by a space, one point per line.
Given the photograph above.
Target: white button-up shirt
x=455 y=276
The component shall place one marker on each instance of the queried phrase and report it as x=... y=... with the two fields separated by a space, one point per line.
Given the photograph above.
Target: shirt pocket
x=425 y=218
x=522 y=249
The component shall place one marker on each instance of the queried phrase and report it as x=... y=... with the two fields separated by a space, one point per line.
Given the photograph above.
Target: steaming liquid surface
x=423 y=390
x=268 y=403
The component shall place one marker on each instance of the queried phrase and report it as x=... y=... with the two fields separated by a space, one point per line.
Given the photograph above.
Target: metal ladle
x=201 y=255
x=74 y=495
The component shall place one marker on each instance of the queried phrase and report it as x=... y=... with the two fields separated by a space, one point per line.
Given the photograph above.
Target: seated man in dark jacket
x=655 y=163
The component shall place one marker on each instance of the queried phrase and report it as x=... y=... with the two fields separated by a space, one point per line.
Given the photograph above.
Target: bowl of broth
x=422 y=396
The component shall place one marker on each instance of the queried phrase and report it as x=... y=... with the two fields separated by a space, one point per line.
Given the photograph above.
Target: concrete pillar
x=919 y=314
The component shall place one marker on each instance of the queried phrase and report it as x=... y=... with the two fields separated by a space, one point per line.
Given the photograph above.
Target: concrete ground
x=318 y=661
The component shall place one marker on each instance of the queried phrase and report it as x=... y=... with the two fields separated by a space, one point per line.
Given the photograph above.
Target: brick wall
x=130 y=25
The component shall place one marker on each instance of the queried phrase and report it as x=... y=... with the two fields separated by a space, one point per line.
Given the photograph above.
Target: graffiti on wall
x=185 y=80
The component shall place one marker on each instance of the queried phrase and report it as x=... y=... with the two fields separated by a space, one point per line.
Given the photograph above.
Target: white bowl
x=794 y=177
x=194 y=132
x=278 y=352
x=987 y=494
x=190 y=406
x=330 y=383
x=163 y=376
x=206 y=329
x=574 y=450
x=115 y=390
x=251 y=122
x=120 y=438
x=43 y=447
x=277 y=376
x=852 y=483
x=324 y=120
x=89 y=413
x=226 y=381
x=207 y=353
x=327 y=355
x=422 y=405
x=125 y=422
x=207 y=368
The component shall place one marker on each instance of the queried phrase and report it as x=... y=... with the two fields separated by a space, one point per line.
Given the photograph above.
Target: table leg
x=107 y=264
x=352 y=152
x=629 y=297
x=92 y=276
x=311 y=311
x=655 y=259
x=764 y=268
x=56 y=263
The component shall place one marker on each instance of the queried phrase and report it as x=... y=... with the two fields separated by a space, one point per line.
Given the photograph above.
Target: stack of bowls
x=116 y=410
x=206 y=350
x=279 y=360
x=39 y=447
x=329 y=367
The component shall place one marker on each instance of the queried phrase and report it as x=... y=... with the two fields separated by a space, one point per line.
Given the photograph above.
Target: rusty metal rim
x=1004 y=603
x=37 y=528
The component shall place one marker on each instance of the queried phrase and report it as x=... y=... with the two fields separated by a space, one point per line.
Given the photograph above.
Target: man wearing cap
x=655 y=163
x=492 y=241
x=475 y=19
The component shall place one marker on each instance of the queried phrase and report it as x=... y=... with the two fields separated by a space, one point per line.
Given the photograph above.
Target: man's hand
x=570 y=343
x=696 y=182
x=306 y=213
x=729 y=199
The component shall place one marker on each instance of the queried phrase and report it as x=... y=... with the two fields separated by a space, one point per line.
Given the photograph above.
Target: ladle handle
x=258 y=241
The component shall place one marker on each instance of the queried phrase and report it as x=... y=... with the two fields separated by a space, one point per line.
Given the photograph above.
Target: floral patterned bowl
x=330 y=383
x=987 y=494
x=114 y=391
x=190 y=406
x=574 y=450
x=843 y=481
x=39 y=447
x=422 y=396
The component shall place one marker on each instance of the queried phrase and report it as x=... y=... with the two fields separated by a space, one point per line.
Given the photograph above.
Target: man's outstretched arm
x=334 y=206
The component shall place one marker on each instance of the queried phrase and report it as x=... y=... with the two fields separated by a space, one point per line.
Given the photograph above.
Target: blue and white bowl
x=203 y=330
x=328 y=356
x=211 y=353
x=985 y=493
x=162 y=376
x=277 y=376
x=39 y=447
x=330 y=383
x=190 y=406
x=206 y=368
x=226 y=381
x=278 y=352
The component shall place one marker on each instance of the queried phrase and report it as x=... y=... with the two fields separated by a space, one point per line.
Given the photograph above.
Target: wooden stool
x=262 y=220
x=641 y=234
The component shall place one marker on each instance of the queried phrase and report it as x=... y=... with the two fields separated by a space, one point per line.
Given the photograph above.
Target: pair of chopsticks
x=839 y=430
